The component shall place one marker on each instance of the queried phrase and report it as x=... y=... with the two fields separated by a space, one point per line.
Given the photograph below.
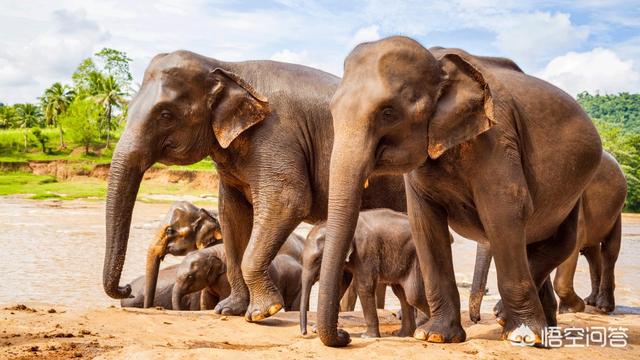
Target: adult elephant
x=498 y=155
x=267 y=126
x=599 y=237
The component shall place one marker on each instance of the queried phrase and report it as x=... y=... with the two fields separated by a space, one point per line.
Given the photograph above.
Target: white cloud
x=599 y=70
x=289 y=56
x=536 y=37
x=369 y=33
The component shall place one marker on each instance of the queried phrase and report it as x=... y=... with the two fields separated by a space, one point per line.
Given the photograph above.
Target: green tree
x=81 y=121
x=41 y=137
x=55 y=101
x=116 y=64
x=110 y=96
x=28 y=115
x=8 y=116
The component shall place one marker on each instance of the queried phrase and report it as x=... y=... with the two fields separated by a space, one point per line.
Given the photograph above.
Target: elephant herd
x=450 y=139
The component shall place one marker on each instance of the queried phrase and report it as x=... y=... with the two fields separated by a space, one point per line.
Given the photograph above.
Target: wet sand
x=52 y=256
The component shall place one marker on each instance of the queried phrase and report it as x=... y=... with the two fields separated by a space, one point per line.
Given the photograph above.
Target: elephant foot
x=592 y=299
x=232 y=305
x=263 y=306
x=438 y=330
x=369 y=334
x=524 y=331
x=605 y=303
x=402 y=332
x=567 y=307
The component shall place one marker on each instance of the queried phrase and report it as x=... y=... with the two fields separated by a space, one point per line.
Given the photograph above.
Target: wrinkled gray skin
x=599 y=236
x=185 y=228
x=500 y=156
x=166 y=279
x=205 y=270
x=268 y=128
x=382 y=252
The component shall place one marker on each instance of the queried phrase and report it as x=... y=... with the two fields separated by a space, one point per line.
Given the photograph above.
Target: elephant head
x=397 y=106
x=311 y=261
x=188 y=107
x=198 y=270
x=185 y=229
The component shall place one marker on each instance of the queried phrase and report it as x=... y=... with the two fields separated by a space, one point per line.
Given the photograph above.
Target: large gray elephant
x=267 y=126
x=599 y=237
x=498 y=155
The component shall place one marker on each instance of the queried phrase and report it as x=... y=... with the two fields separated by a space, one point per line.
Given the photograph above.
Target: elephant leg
x=430 y=232
x=548 y=301
x=273 y=223
x=609 y=251
x=348 y=302
x=381 y=293
x=367 y=294
x=563 y=284
x=544 y=256
x=236 y=217
x=592 y=254
x=504 y=215
x=408 y=314
x=413 y=288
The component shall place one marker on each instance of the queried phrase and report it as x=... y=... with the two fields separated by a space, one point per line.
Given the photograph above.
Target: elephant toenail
x=436 y=338
x=420 y=334
x=273 y=309
x=500 y=321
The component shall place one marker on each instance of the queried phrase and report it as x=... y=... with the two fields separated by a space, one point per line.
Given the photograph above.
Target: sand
x=113 y=333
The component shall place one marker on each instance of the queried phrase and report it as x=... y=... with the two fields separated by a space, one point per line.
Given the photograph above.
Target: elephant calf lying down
x=382 y=251
x=166 y=279
x=206 y=270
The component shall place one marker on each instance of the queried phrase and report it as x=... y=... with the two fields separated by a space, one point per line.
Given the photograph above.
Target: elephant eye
x=388 y=113
x=166 y=115
x=170 y=231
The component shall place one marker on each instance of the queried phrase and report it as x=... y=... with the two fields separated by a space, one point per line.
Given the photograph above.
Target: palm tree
x=29 y=115
x=109 y=94
x=55 y=101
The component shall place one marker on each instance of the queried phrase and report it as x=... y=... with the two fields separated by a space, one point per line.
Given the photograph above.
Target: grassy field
x=47 y=187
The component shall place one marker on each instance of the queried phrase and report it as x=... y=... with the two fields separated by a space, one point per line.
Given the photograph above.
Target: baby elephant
x=206 y=270
x=382 y=251
x=166 y=278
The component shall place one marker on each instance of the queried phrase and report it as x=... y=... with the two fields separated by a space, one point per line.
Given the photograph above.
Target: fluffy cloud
x=534 y=38
x=599 y=70
x=369 y=33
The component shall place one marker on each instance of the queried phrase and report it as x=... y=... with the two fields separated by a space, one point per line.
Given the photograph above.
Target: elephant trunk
x=480 y=273
x=154 y=255
x=176 y=295
x=307 y=282
x=348 y=174
x=124 y=182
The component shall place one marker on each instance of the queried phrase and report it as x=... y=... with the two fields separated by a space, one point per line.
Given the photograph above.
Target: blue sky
x=577 y=45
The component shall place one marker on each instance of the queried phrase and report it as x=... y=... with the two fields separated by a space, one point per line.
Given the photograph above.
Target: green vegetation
x=46 y=187
x=617 y=118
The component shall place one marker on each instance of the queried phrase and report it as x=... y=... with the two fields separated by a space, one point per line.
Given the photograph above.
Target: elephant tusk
x=366 y=183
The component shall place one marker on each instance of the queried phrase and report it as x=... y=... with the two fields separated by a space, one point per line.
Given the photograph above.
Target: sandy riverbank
x=112 y=333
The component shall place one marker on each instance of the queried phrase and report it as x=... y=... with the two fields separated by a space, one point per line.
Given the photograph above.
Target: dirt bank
x=59 y=333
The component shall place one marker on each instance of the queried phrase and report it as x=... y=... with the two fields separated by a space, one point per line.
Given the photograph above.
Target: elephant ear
x=236 y=106
x=464 y=108
x=207 y=229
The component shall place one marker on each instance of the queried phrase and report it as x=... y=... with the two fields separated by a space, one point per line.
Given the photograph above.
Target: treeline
x=617 y=118
x=87 y=112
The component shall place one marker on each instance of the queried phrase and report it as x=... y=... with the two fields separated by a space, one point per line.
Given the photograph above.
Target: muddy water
x=52 y=252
